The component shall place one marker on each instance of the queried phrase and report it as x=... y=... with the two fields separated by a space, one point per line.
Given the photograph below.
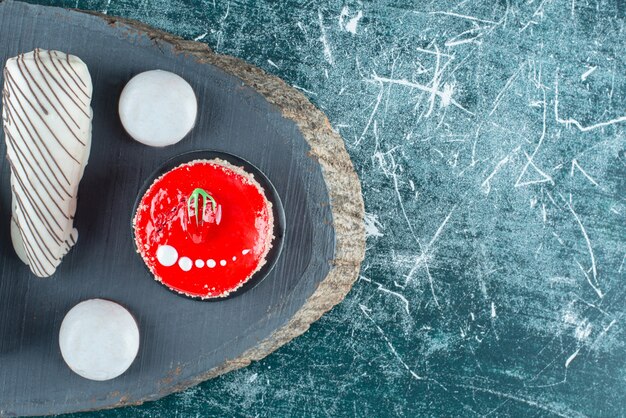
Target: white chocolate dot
x=234 y=258
x=211 y=263
x=185 y=263
x=199 y=263
x=167 y=255
x=99 y=339
x=244 y=252
x=223 y=263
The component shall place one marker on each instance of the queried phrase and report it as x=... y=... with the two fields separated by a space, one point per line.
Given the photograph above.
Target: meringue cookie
x=99 y=339
x=158 y=108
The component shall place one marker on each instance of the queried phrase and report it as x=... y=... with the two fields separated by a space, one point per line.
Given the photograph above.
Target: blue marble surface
x=489 y=139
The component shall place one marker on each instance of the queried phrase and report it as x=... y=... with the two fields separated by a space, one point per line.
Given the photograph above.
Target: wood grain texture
x=325 y=150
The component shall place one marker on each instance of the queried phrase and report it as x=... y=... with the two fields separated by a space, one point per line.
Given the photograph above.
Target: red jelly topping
x=204 y=228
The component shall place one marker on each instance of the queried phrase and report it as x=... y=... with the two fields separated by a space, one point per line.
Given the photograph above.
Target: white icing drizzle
x=46 y=117
x=167 y=256
x=185 y=263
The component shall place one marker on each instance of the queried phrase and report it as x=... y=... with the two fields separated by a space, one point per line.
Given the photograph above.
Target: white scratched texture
x=489 y=139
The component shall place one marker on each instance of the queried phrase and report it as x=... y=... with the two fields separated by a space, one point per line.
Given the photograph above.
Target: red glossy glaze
x=236 y=235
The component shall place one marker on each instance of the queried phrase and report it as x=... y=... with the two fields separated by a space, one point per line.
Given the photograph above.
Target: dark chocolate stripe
x=43 y=93
x=31 y=225
x=61 y=63
x=67 y=84
x=12 y=85
x=45 y=79
x=73 y=239
x=69 y=64
x=50 y=258
x=17 y=61
x=34 y=263
x=73 y=98
x=42 y=200
x=41 y=141
x=25 y=159
x=6 y=113
x=35 y=206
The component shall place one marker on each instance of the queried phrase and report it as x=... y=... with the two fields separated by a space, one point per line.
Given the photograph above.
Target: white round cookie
x=99 y=339
x=158 y=108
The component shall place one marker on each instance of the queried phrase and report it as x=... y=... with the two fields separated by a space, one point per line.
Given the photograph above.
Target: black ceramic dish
x=270 y=193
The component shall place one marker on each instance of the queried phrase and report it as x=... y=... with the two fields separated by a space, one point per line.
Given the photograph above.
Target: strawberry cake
x=204 y=228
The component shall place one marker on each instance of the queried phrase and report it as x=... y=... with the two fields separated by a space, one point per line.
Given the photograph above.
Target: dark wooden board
x=241 y=111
